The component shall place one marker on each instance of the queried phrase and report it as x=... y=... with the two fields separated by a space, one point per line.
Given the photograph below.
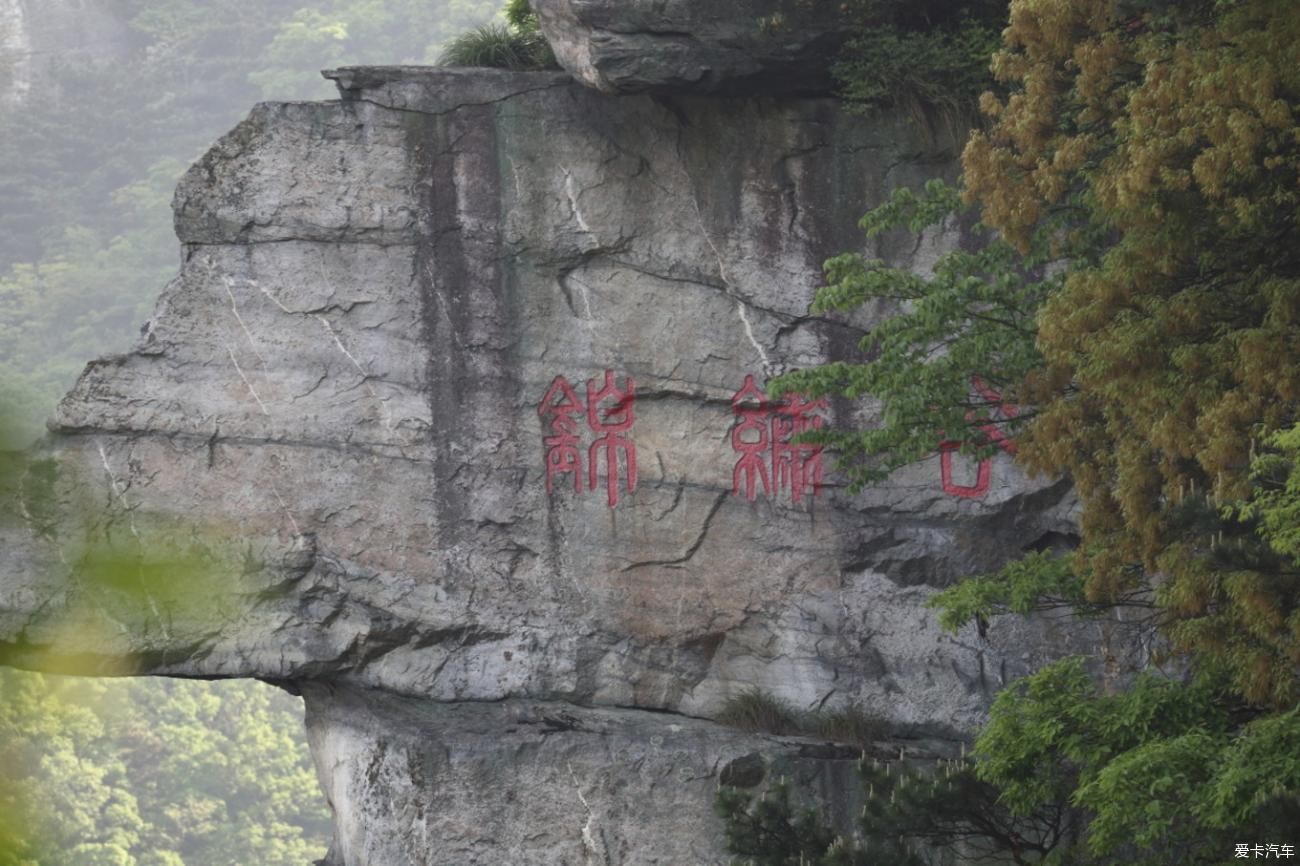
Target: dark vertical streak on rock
x=470 y=386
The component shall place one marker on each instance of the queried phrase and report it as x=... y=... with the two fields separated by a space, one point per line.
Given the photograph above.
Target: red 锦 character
x=610 y=423
x=559 y=408
x=985 y=471
x=749 y=437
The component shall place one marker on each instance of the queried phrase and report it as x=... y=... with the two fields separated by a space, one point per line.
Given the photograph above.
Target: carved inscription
x=770 y=463
x=763 y=437
x=609 y=412
x=984 y=472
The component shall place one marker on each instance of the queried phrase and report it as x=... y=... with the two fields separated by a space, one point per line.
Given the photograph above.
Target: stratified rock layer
x=342 y=398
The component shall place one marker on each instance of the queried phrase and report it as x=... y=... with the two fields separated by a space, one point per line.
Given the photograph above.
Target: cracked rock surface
x=342 y=386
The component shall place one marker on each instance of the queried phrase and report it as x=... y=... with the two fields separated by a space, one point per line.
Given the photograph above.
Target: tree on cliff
x=1149 y=150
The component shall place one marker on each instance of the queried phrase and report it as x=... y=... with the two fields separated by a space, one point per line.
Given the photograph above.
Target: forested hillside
x=152 y=772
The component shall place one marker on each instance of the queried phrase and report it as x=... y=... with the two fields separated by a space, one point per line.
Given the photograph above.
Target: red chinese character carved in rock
x=762 y=426
x=985 y=471
x=749 y=438
x=610 y=423
x=796 y=466
x=609 y=413
x=559 y=408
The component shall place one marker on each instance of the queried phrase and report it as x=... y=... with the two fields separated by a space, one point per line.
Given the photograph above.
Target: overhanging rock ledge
x=393 y=316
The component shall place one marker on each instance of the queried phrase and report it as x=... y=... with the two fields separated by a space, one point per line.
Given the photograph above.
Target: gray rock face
x=445 y=398
x=715 y=46
x=534 y=783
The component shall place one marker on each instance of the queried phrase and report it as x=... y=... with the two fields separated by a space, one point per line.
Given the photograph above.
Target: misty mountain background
x=103 y=105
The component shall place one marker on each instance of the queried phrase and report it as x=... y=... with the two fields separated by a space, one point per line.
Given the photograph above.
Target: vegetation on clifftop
x=518 y=44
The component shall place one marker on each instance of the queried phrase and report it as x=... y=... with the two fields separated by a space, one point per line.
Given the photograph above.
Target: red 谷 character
x=985 y=471
x=610 y=422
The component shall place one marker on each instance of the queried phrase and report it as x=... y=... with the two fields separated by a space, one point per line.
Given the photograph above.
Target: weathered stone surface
x=713 y=46
x=547 y=785
x=339 y=397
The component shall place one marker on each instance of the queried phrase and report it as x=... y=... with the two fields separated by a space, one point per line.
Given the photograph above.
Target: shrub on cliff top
x=518 y=44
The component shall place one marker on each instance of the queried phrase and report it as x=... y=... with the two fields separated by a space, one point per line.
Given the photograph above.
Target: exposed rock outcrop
x=539 y=783
x=401 y=318
x=705 y=46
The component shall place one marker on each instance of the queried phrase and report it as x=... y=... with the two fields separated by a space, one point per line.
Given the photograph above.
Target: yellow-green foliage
x=1176 y=345
x=1151 y=150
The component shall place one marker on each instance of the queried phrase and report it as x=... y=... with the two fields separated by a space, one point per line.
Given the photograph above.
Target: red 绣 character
x=610 y=423
x=750 y=437
x=796 y=466
x=560 y=406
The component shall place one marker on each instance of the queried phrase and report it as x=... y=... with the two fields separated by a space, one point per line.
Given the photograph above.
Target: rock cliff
x=456 y=393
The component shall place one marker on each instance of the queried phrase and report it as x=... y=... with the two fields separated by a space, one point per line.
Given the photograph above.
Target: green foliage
x=331 y=33
x=1275 y=503
x=908 y=810
x=943 y=67
x=919 y=54
x=521 y=16
x=138 y=772
x=1166 y=770
x=1039 y=581
x=757 y=710
x=518 y=44
x=501 y=47
x=850 y=724
x=769 y=831
x=1149 y=151
x=1168 y=132
x=1149 y=355
x=143 y=773
x=974 y=317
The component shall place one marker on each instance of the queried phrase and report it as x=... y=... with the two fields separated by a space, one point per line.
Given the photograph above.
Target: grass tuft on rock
x=850 y=724
x=499 y=46
x=762 y=712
